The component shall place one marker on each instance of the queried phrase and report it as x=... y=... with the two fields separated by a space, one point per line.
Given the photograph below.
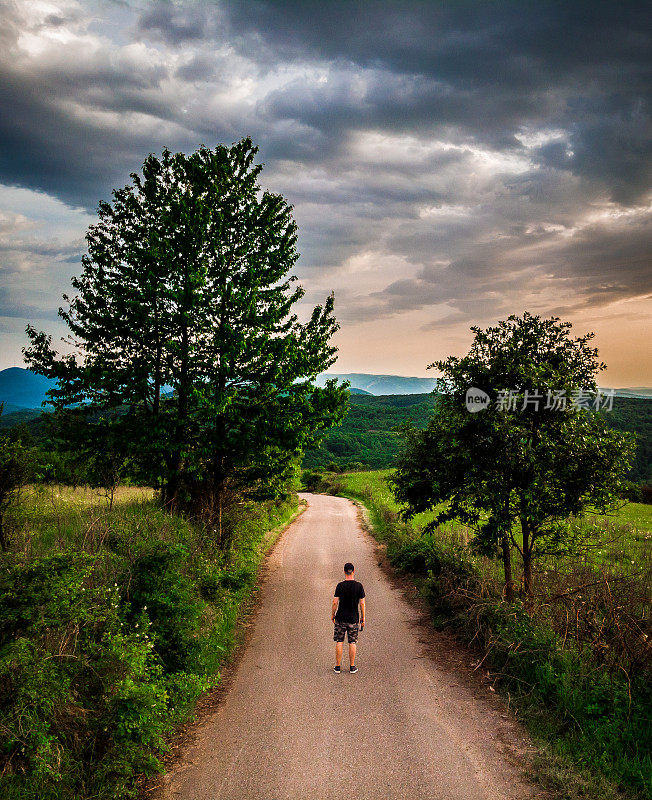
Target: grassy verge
x=574 y=662
x=112 y=623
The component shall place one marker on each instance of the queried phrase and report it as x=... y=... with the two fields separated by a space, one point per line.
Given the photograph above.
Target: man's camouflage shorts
x=350 y=628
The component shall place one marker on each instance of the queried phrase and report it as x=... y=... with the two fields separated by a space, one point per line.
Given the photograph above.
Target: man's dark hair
x=348 y=568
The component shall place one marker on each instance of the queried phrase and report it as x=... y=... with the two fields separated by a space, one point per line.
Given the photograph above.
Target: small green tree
x=533 y=456
x=184 y=321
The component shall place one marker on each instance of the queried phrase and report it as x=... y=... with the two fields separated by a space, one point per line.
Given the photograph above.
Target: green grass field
x=50 y=517
x=612 y=538
x=637 y=515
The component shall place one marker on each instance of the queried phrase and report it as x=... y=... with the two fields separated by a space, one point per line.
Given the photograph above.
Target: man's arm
x=362 y=611
x=334 y=607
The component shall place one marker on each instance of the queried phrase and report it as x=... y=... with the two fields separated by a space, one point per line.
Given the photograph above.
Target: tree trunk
x=507 y=568
x=507 y=552
x=183 y=395
x=220 y=517
x=171 y=486
x=157 y=362
x=217 y=503
x=527 y=572
x=527 y=557
x=157 y=381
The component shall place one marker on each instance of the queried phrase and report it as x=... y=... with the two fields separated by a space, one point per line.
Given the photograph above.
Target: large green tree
x=534 y=454
x=185 y=335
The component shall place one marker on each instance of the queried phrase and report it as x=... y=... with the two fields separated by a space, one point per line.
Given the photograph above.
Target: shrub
x=108 y=637
x=160 y=591
x=237 y=577
x=81 y=696
x=632 y=491
x=312 y=481
x=600 y=718
x=16 y=466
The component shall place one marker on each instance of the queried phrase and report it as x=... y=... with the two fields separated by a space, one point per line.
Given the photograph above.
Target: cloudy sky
x=449 y=163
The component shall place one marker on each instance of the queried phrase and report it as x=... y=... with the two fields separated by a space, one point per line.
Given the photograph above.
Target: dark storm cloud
x=473 y=158
x=54 y=141
x=604 y=262
x=77 y=120
x=487 y=69
x=470 y=70
x=524 y=45
x=174 y=25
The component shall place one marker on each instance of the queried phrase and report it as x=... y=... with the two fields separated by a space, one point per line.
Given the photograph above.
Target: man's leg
x=351 y=654
x=338 y=654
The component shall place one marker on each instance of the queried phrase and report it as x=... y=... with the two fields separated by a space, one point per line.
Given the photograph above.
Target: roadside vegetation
x=189 y=374
x=521 y=555
x=113 y=622
x=573 y=661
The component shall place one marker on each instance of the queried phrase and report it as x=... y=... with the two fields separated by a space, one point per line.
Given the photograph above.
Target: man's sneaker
x=354 y=669
x=337 y=669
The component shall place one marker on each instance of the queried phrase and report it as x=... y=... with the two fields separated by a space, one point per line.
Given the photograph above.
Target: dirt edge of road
x=210 y=700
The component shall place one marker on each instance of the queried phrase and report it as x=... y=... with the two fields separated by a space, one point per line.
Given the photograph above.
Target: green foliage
x=160 y=591
x=112 y=623
x=598 y=718
x=635 y=415
x=533 y=463
x=191 y=362
x=312 y=481
x=367 y=437
x=620 y=534
x=16 y=468
x=368 y=434
x=82 y=697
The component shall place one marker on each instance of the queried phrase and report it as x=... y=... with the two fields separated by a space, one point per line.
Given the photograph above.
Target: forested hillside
x=630 y=414
x=368 y=434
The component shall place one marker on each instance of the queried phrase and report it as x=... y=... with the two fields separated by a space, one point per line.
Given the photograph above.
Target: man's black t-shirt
x=350 y=594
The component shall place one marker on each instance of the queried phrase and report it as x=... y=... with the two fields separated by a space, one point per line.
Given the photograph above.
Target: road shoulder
x=185 y=735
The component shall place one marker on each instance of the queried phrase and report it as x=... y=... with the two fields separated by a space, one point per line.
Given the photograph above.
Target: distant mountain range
x=399 y=384
x=643 y=392
x=21 y=389
x=381 y=384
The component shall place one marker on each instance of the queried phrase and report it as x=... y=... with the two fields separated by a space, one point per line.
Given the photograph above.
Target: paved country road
x=289 y=728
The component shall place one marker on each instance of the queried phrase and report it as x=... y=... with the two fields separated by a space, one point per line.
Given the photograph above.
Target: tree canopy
x=184 y=333
x=533 y=456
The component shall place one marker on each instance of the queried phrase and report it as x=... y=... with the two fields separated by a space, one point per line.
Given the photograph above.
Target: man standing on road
x=344 y=613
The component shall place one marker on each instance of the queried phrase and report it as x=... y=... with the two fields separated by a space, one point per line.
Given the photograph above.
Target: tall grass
x=112 y=623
